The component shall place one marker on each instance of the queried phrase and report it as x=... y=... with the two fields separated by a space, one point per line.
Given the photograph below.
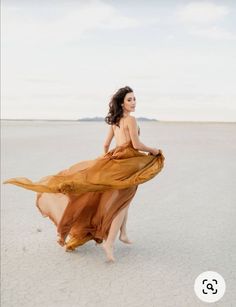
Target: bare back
x=121 y=133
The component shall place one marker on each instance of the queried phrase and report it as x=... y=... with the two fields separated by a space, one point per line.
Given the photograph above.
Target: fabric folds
x=83 y=200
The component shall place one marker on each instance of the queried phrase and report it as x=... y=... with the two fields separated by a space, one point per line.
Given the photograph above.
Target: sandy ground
x=182 y=222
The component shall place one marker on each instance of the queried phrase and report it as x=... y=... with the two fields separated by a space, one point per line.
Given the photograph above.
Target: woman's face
x=129 y=102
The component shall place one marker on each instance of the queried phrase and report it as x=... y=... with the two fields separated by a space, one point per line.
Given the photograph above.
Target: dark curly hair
x=115 y=106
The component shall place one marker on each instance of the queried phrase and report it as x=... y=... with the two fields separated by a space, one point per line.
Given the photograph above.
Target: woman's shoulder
x=131 y=118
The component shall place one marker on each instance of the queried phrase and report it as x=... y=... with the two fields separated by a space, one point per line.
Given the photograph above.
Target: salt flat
x=182 y=222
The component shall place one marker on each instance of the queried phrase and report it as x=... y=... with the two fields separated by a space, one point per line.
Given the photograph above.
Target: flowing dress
x=83 y=200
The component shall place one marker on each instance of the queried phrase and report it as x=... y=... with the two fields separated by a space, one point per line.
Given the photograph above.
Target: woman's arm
x=133 y=130
x=108 y=139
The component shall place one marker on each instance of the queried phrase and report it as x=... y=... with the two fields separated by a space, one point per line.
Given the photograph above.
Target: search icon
x=210 y=286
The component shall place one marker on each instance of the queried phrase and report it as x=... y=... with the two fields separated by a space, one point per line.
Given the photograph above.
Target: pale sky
x=64 y=59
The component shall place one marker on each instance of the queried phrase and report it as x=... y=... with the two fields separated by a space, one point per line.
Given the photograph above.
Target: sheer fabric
x=83 y=200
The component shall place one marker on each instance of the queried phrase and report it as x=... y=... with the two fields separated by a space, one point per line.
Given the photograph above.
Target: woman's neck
x=126 y=114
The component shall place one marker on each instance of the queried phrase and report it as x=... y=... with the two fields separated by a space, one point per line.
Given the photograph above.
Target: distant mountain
x=101 y=119
x=146 y=119
x=84 y=119
x=91 y=119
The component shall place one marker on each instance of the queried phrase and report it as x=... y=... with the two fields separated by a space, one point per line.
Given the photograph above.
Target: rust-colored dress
x=83 y=200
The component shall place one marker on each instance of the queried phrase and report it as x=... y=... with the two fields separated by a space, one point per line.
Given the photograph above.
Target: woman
x=90 y=199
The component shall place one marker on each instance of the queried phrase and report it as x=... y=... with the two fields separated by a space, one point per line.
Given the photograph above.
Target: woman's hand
x=155 y=151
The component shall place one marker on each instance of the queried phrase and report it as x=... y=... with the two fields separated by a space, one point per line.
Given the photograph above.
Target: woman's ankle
x=123 y=231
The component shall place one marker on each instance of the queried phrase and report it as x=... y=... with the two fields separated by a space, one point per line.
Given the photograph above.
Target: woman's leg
x=123 y=232
x=114 y=228
x=123 y=225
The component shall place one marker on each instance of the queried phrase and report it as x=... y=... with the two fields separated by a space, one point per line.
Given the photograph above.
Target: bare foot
x=109 y=251
x=123 y=237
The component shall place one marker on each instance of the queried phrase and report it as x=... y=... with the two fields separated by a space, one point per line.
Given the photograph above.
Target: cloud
x=201 y=13
x=213 y=32
x=52 y=24
x=201 y=19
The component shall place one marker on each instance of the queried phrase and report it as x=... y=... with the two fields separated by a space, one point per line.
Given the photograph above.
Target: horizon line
x=84 y=119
